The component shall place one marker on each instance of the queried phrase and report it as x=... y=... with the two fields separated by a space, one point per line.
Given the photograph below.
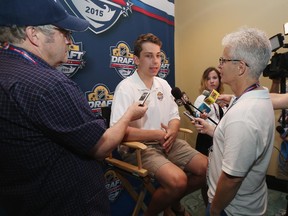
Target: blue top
x=46 y=132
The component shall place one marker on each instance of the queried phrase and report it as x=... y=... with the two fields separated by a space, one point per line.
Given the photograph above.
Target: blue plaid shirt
x=46 y=132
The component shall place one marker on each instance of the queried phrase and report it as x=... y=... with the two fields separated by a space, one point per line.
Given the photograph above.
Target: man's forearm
x=136 y=134
x=279 y=101
x=227 y=188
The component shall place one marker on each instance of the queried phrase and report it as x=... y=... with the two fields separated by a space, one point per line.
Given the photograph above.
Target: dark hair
x=149 y=37
x=204 y=79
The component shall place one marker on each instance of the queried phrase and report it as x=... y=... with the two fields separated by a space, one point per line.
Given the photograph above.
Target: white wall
x=199 y=29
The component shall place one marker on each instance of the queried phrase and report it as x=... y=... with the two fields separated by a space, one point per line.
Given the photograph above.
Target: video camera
x=278 y=67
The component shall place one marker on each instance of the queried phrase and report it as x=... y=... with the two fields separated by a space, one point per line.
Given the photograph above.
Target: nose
x=156 y=59
x=68 y=41
x=219 y=66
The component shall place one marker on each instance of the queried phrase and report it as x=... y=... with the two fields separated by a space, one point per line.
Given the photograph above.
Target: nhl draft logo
x=122 y=59
x=75 y=59
x=100 y=96
x=113 y=185
x=165 y=65
x=102 y=14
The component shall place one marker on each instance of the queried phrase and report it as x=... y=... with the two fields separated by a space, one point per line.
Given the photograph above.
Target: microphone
x=206 y=93
x=282 y=131
x=182 y=99
x=211 y=97
x=204 y=106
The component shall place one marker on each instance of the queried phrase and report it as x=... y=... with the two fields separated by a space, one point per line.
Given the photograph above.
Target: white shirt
x=242 y=147
x=161 y=105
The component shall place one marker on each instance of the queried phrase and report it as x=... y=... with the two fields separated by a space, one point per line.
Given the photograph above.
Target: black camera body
x=278 y=67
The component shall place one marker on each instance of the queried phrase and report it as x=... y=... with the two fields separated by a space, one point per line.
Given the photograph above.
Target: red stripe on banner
x=75 y=62
x=141 y=10
x=120 y=2
x=122 y=66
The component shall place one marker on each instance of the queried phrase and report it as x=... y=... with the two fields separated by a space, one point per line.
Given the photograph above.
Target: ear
x=136 y=60
x=242 y=68
x=32 y=35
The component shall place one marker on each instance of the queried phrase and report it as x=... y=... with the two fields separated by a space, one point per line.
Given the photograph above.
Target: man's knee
x=198 y=165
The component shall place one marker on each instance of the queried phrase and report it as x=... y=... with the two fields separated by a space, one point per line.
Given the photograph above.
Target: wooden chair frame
x=121 y=168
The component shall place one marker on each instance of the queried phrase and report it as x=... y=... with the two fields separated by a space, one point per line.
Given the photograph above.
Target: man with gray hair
x=50 y=140
x=243 y=140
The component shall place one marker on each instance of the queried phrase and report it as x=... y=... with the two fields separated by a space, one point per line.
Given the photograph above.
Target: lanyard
x=250 y=88
x=21 y=52
x=216 y=112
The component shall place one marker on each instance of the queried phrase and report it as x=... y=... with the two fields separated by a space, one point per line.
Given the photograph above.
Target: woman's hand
x=203 y=126
x=224 y=99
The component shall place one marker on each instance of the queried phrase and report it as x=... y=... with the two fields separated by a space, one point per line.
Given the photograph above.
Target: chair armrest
x=185 y=130
x=127 y=167
x=135 y=145
x=136 y=170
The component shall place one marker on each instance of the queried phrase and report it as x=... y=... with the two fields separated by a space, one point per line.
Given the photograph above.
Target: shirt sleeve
x=123 y=98
x=64 y=115
x=239 y=148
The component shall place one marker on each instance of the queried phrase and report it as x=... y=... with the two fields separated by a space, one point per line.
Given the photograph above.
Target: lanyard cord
x=216 y=112
x=21 y=52
x=250 y=88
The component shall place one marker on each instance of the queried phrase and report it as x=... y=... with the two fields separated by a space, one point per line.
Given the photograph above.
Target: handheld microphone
x=211 y=97
x=282 y=131
x=182 y=99
x=204 y=106
x=206 y=93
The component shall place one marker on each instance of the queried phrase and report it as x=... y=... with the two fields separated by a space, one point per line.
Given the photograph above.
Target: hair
x=203 y=83
x=149 y=37
x=250 y=45
x=16 y=34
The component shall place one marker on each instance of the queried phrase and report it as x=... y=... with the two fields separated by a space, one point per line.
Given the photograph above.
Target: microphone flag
x=212 y=97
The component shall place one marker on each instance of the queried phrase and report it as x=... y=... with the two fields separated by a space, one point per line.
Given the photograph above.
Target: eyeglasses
x=222 y=61
x=66 y=33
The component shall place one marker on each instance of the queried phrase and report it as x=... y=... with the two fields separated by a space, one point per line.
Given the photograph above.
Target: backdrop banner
x=102 y=56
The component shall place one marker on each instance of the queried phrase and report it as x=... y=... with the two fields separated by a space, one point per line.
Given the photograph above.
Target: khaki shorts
x=154 y=157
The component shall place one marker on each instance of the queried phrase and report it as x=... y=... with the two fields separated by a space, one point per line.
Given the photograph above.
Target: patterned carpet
x=277 y=203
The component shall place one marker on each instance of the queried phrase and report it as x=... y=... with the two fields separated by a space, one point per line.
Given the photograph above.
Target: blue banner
x=102 y=56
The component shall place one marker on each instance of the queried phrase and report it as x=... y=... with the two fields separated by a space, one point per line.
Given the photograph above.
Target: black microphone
x=179 y=99
x=182 y=99
x=282 y=131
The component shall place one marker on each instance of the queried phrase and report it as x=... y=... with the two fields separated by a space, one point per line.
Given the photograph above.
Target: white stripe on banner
x=163 y=5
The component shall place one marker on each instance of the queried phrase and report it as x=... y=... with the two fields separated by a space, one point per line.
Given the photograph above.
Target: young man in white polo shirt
x=171 y=159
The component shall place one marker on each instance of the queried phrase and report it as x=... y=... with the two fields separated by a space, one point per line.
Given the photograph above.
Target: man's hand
x=170 y=137
x=135 y=111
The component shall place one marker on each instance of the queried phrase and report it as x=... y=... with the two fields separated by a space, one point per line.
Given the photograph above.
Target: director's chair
x=124 y=169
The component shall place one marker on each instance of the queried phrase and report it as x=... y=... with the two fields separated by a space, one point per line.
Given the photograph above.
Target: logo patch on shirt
x=160 y=96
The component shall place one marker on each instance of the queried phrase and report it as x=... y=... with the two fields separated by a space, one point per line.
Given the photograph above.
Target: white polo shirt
x=161 y=105
x=242 y=147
